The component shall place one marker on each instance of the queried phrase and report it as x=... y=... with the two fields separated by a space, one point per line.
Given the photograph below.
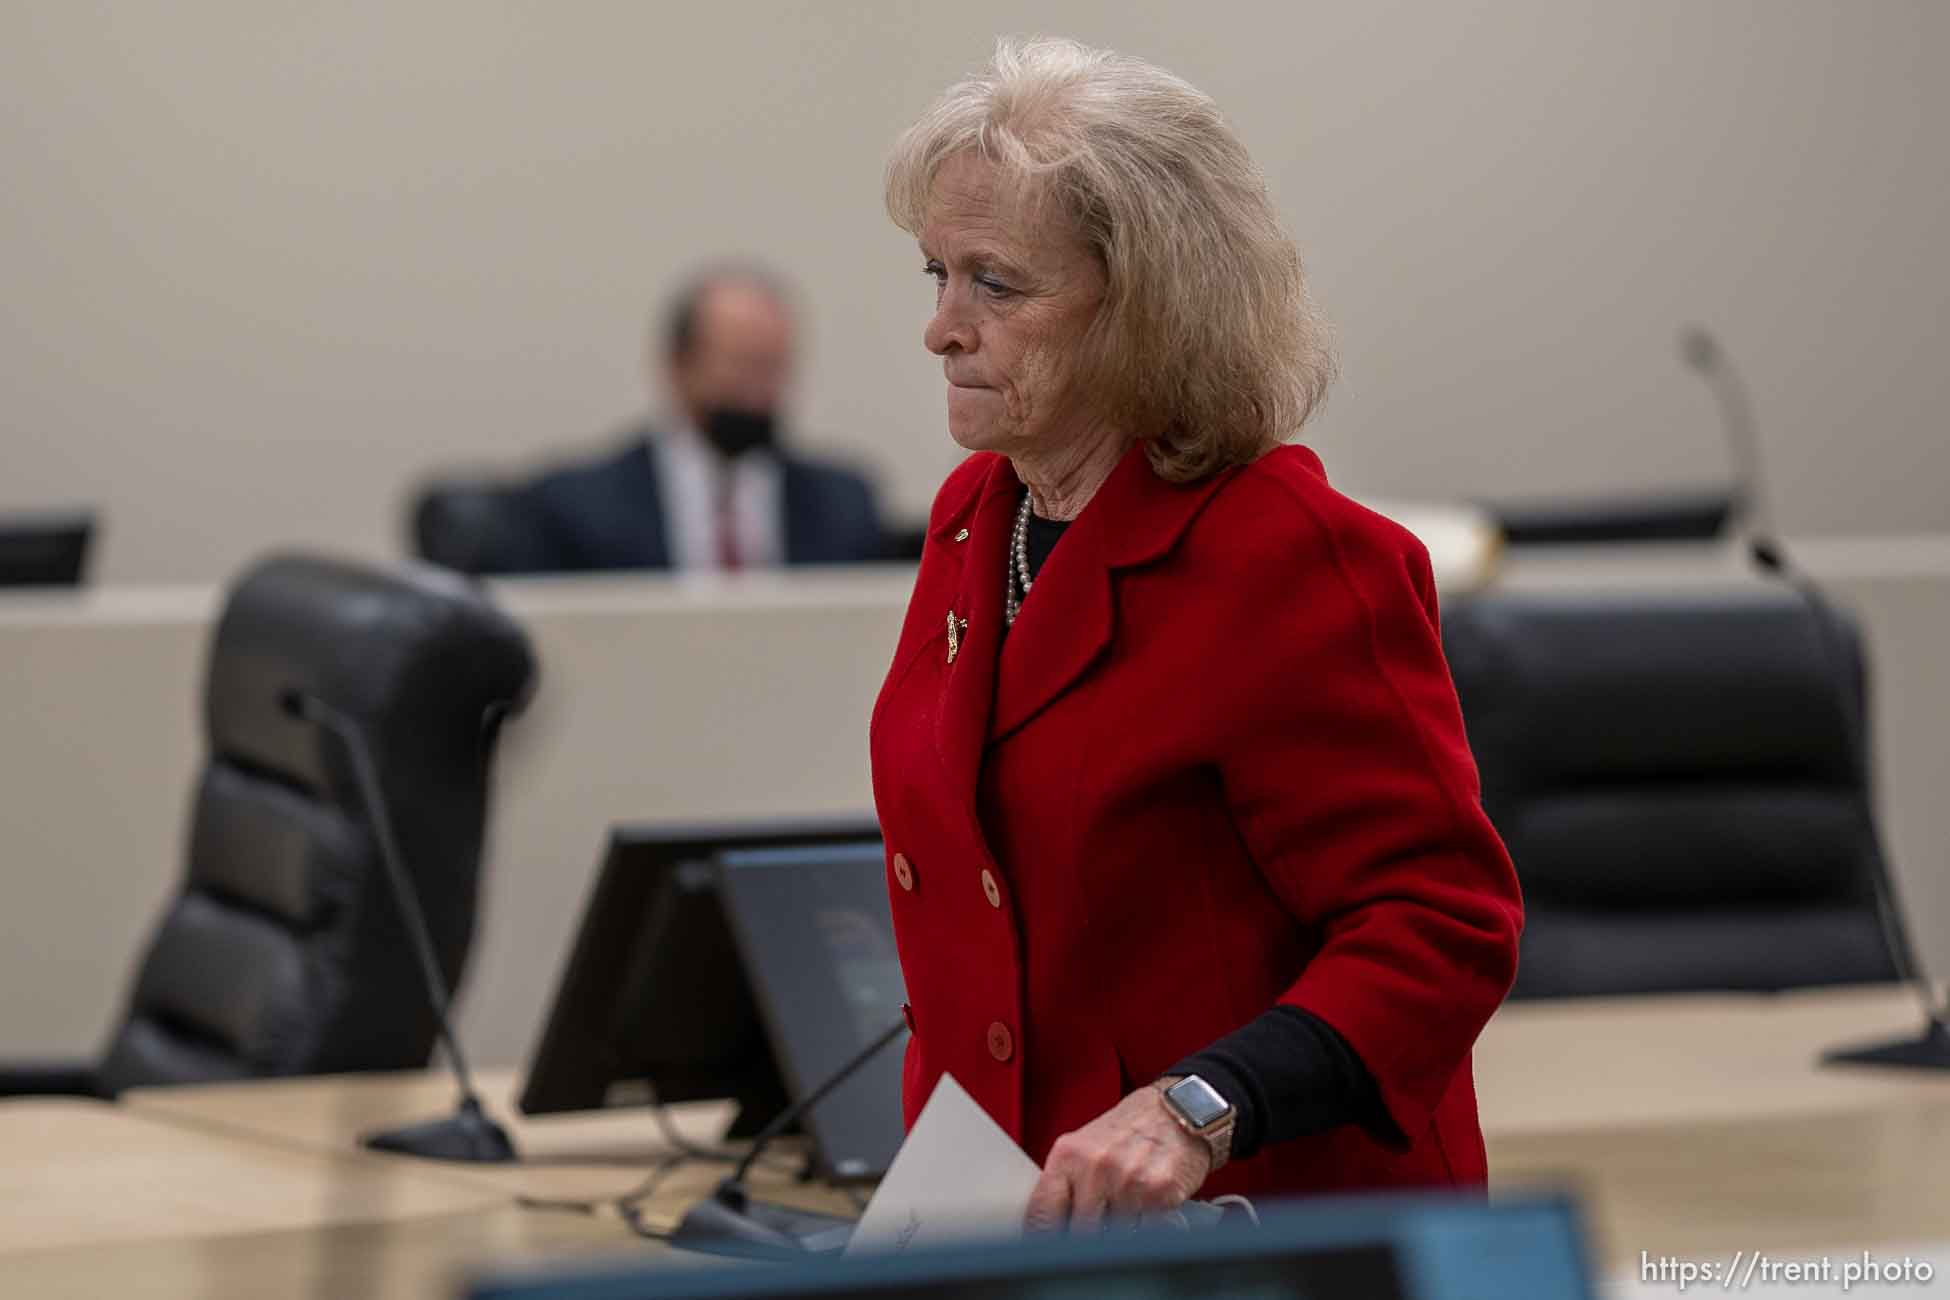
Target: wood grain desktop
x=1691 y=1125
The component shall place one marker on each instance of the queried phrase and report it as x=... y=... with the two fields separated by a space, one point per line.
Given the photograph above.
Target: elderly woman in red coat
x=1191 y=883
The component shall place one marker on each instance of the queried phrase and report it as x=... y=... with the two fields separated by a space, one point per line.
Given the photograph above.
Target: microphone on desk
x=1702 y=353
x=469 y=1133
x=731 y=1223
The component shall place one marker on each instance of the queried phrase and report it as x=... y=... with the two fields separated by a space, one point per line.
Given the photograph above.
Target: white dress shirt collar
x=691 y=476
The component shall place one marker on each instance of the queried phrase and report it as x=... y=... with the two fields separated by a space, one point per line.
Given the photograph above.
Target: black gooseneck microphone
x=1702 y=353
x=468 y=1134
x=731 y=1223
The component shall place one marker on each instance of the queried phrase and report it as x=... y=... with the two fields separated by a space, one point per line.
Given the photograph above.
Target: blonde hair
x=1207 y=344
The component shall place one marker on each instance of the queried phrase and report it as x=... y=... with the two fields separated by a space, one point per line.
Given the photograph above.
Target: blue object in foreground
x=1374 y=1248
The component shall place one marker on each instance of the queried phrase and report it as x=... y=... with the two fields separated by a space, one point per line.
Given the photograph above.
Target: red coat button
x=1002 y=1044
x=990 y=888
x=903 y=872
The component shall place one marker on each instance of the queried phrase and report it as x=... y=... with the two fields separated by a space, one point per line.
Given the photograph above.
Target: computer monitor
x=653 y=1005
x=817 y=937
x=1378 y=1248
x=44 y=549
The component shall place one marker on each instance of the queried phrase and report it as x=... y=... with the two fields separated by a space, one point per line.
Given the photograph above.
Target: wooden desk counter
x=1692 y=1125
x=260 y=1189
x=1832 y=1184
x=1583 y=1064
x=422 y=1258
x=77 y=1173
x=586 y=1156
x=333 y=1112
x=1697 y=1125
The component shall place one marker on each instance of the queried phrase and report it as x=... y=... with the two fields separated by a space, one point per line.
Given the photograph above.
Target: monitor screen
x=817 y=937
x=653 y=1004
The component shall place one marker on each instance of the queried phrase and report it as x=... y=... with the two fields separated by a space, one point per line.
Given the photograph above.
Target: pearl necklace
x=1016 y=588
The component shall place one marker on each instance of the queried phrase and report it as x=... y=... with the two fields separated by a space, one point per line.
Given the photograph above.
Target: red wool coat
x=1217 y=765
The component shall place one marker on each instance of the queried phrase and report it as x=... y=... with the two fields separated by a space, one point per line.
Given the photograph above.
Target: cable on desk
x=634 y=1217
x=696 y=1151
x=563 y=1204
x=643 y=1191
x=628 y=1206
x=682 y=1149
x=667 y=1128
x=628 y=1202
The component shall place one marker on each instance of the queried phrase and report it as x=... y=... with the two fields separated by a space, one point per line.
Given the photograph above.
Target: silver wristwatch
x=1202 y=1112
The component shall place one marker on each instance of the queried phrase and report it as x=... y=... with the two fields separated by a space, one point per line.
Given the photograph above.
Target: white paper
x=958 y=1175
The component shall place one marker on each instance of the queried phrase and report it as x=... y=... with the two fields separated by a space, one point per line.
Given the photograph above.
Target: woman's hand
x=1130 y=1161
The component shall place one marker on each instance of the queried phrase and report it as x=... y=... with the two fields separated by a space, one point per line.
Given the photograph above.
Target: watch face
x=1198 y=1101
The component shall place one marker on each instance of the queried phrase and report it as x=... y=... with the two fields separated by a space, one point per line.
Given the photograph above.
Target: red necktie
x=728 y=556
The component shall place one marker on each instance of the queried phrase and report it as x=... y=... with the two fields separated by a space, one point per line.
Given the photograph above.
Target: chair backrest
x=1679 y=786
x=1675 y=515
x=285 y=953
x=45 y=548
x=479 y=527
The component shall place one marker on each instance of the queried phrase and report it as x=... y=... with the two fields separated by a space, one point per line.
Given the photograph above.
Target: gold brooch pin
x=956 y=626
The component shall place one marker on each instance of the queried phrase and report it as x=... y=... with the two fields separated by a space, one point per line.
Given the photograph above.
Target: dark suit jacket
x=608 y=514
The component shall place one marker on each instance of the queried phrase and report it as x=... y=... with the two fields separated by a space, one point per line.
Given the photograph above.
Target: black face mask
x=734 y=432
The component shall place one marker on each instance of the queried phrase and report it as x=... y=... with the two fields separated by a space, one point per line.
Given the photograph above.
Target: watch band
x=1216 y=1135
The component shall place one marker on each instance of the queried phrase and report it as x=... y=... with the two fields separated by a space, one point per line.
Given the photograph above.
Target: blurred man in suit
x=710 y=488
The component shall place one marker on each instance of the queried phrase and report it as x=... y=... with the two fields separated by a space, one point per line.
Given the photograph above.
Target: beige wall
x=265 y=264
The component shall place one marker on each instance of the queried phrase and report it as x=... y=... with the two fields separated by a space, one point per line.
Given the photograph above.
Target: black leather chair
x=1679 y=515
x=45 y=548
x=285 y=952
x=477 y=527
x=1679 y=787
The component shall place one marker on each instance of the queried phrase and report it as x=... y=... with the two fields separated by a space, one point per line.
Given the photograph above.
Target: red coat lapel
x=963 y=719
x=1070 y=618
x=1064 y=625
x=995 y=687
